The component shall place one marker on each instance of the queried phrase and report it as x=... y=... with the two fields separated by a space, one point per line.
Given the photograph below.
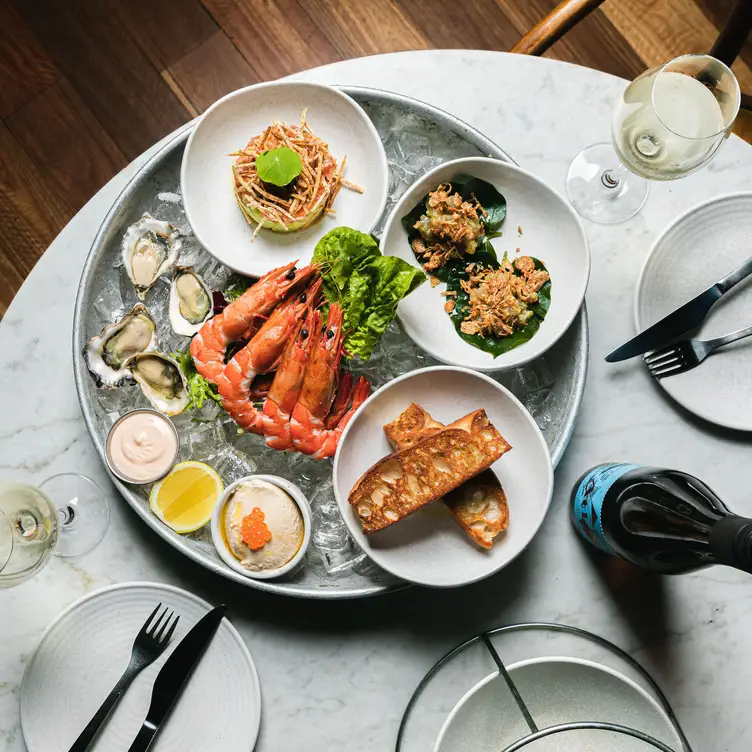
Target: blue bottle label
x=588 y=502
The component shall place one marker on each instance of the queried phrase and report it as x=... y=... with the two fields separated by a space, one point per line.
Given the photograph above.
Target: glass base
x=601 y=189
x=83 y=512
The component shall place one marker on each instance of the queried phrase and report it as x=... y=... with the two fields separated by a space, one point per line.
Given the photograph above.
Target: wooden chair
x=570 y=12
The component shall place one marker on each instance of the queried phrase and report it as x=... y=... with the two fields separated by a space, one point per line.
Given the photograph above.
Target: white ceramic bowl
x=551 y=231
x=428 y=547
x=555 y=690
x=217 y=520
x=228 y=125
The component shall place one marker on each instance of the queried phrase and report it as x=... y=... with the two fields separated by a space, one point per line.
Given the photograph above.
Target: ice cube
x=205 y=441
x=108 y=305
x=233 y=465
x=414 y=146
x=120 y=400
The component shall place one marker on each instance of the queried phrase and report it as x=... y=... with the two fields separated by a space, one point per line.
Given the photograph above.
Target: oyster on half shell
x=106 y=354
x=190 y=301
x=149 y=248
x=161 y=381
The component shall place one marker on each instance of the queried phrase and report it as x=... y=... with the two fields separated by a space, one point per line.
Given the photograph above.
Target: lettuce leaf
x=199 y=389
x=367 y=285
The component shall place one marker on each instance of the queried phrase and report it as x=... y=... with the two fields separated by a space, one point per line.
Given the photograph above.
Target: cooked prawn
x=307 y=425
x=261 y=355
x=287 y=385
x=209 y=345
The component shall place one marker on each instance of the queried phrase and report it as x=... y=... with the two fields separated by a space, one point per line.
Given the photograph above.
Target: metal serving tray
x=553 y=399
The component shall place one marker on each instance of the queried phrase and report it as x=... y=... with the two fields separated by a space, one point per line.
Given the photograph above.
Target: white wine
x=667 y=125
x=28 y=532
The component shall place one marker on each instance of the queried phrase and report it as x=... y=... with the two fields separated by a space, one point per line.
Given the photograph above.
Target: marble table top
x=339 y=673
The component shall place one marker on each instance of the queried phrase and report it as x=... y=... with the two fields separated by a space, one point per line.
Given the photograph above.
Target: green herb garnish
x=366 y=284
x=236 y=286
x=199 y=389
x=279 y=166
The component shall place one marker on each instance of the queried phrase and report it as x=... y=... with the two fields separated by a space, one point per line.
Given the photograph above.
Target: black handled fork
x=149 y=644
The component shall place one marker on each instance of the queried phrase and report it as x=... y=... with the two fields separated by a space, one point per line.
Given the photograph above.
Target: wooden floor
x=87 y=85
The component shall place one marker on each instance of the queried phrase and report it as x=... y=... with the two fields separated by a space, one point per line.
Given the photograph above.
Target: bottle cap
x=731 y=542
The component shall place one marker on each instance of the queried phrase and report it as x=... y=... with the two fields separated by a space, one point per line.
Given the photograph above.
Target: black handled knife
x=684 y=319
x=174 y=675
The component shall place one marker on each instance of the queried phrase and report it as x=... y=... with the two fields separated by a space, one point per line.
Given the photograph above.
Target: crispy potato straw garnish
x=294 y=206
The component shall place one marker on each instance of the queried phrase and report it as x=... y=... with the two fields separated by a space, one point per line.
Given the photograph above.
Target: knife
x=683 y=319
x=174 y=675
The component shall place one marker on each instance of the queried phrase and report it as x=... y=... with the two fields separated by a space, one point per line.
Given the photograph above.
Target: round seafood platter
x=250 y=383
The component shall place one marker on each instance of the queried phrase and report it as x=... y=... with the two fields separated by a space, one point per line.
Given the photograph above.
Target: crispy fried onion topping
x=499 y=298
x=449 y=229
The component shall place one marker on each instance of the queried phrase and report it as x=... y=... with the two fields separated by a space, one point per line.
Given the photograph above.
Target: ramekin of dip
x=261 y=526
x=142 y=446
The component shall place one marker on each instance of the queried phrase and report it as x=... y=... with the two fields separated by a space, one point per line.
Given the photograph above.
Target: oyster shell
x=190 y=301
x=161 y=381
x=106 y=354
x=149 y=248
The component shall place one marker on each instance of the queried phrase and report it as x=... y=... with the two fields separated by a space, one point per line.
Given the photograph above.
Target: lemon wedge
x=185 y=498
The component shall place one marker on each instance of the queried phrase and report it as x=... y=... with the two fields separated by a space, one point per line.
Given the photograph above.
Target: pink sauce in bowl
x=142 y=446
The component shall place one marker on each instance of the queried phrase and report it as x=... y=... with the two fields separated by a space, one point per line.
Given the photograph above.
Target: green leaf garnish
x=279 y=166
x=236 y=286
x=366 y=284
x=199 y=389
x=490 y=343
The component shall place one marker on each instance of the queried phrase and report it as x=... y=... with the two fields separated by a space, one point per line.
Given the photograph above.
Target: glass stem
x=614 y=180
x=66 y=515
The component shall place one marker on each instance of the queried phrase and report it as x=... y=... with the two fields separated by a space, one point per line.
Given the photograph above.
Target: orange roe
x=254 y=531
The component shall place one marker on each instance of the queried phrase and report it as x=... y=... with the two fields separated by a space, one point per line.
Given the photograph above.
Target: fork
x=685 y=355
x=149 y=644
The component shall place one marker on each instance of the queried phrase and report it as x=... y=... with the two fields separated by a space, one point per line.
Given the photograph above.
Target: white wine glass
x=669 y=122
x=67 y=515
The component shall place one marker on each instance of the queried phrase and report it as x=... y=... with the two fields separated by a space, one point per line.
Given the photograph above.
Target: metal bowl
x=162 y=173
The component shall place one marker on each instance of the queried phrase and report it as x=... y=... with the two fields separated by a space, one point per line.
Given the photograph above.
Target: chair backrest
x=557 y=23
x=734 y=32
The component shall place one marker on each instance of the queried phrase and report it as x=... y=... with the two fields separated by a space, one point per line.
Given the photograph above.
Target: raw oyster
x=190 y=301
x=161 y=380
x=150 y=247
x=106 y=354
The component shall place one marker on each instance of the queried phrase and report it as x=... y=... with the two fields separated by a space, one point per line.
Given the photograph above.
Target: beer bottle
x=663 y=520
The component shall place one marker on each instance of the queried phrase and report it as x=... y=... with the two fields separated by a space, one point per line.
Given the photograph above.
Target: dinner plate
x=228 y=125
x=428 y=547
x=555 y=691
x=697 y=250
x=85 y=650
x=539 y=223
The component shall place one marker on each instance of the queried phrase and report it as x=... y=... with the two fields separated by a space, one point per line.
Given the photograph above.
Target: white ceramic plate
x=551 y=231
x=556 y=690
x=228 y=125
x=428 y=547
x=84 y=652
x=697 y=250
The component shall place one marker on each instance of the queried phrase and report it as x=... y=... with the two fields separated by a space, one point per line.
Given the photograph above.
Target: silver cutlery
x=149 y=644
x=685 y=355
x=684 y=319
x=174 y=675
